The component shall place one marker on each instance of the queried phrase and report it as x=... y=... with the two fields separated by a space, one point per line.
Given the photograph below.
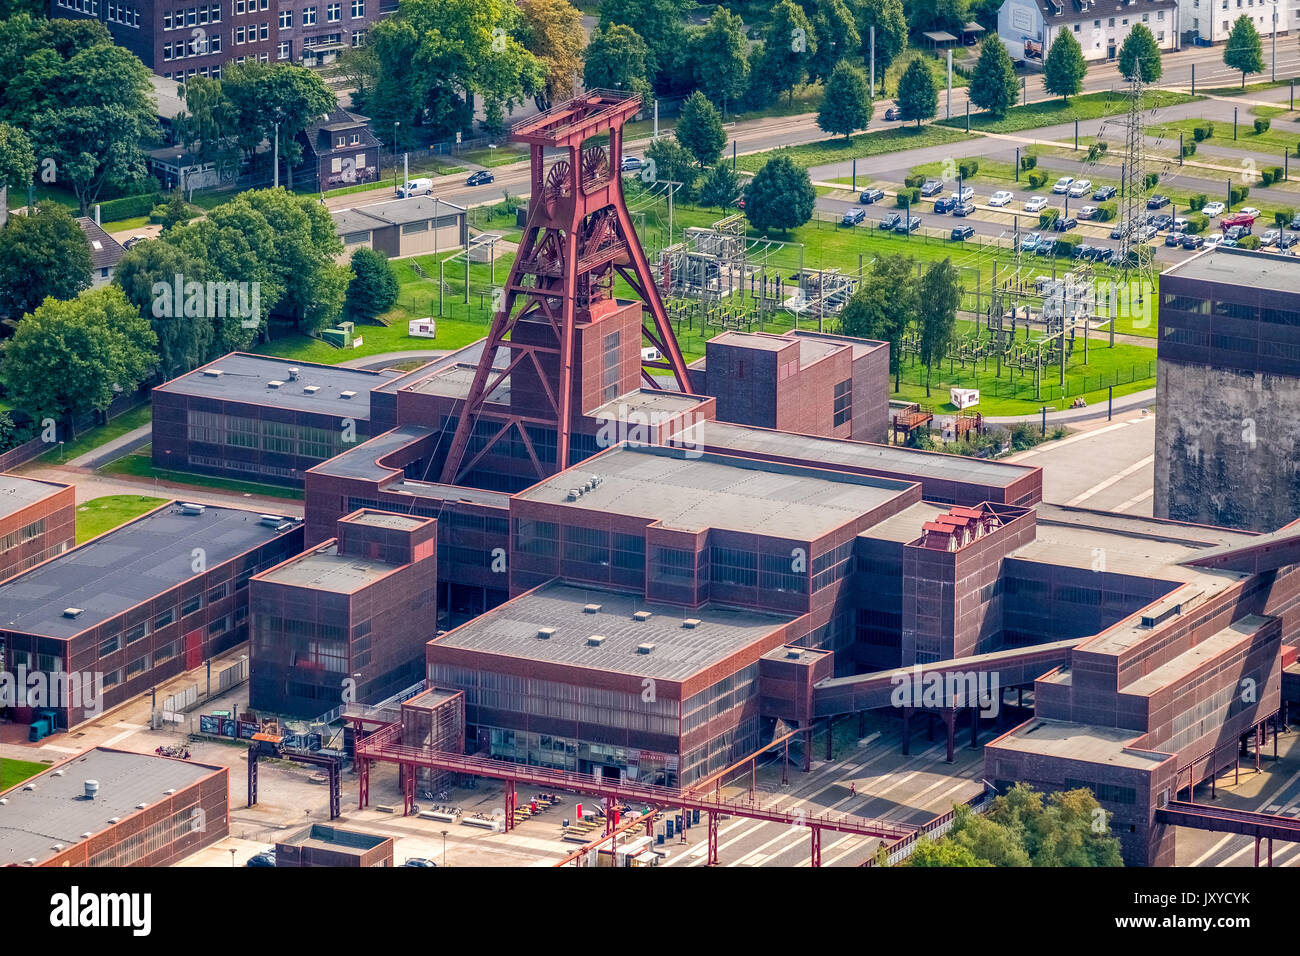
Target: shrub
x=1066 y=245
x=1037 y=179
x=1262 y=125
x=1028 y=162
x=915 y=180
x=968 y=168
x=1047 y=217
x=1248 y=242
x=1283 y=217
x=1198 y=223
x=1237 y=193
x=1151 y=179
x=908 y=197
x=1279 y=174
x=1106 y=212
x=1189 y=149
x=1266 y=177
x=1197 y=202
x=1202 y=131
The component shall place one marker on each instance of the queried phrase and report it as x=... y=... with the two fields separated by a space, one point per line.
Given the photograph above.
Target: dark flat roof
x=679 y=652
x=57 y=812
x=1258 y=270
x=244 y=378
x=362 y=461
x=122 y=568
x=17 y=493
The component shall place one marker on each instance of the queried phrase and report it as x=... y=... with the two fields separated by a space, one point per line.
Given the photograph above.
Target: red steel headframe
x=579 y=235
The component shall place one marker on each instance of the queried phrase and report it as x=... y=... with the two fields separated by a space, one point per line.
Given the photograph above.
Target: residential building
x=1028 y=27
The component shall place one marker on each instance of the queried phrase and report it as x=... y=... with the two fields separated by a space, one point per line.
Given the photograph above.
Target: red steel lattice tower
x=577 y=240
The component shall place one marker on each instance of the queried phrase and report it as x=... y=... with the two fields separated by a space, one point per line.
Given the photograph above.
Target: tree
x=891 y=33
x=940 y=298
x=617 y=59
x=17 y=159
x=699 y=129
x=209 y=123
x=721 y=188
x=883 y=307
x=837 y=36
x=69 y=358
x=1244 y=50
x=284 y=97
x=41 y=255
x=943 y=853
x=1139 y=55
x=176 y=212
x=917 y=97
x=1064 y=68
x=552 y=31
x=719 y=56
x=662 y=24
x=373 y=288
x=948 y=15
x=305 y=246
x=184 y=342
x=846 y=106
x=788 y=47
x=994 y=86
x=670 y=162
x=780 y=196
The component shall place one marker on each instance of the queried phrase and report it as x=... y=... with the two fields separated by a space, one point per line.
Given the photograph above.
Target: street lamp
x=444 y=848
x=396 y=124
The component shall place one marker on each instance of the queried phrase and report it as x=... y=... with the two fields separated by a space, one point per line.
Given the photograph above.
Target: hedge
x=128 y=207
x=908 y=197
x=1198 y=223
x=1262 y=125
x=1037 y=179
x=1283 y=217
x=1028 y=162
x=1189 y=149
x=1202 y=131
x=1237 y=193
x=1248 y=242
x=914 y=181
x=1047 y=217
x=1266 y=177
x=1197 y=202
x=968 y=168
x=1106 y=212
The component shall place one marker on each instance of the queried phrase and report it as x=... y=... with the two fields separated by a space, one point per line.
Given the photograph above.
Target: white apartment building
x=1212 y=20
x=1028 y=27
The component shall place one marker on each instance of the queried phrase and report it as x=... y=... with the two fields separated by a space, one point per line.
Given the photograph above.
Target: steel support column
x=510 y=805
x=950 y=724
x=713 y=838
x=252 y=776
x=363 y=784
x=816 y=846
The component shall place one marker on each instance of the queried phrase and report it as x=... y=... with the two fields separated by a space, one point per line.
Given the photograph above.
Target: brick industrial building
x=1228 y=389
x=137 y=605
x=111 y=808
x=346 y=620
x=37 y=522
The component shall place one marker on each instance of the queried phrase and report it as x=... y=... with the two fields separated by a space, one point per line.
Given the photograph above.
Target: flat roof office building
x=37 y=521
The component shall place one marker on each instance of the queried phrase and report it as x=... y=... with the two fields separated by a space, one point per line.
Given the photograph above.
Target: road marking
x=1052 y=446
x=1113 y=479
x=1218 y=846
x=1149 y=493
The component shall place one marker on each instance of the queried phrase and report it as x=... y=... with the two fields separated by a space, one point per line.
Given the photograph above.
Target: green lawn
x=14 y=772
x=1271 y=142
x=98 y=515
x=1052 y=112
x=139 y=464
x=838 y=150
x=938 y=64
x=122 y=225
x=487 y=156
x=92 y=439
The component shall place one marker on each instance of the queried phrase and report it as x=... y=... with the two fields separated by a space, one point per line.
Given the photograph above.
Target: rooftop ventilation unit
x=793 y=653
x=293 y=373
x=691 y=623
x=596 y=640
x=30 y=786
x=271 y=521
x=141 y=805
x=114 y=819
x=590 y=608
x=213 y=373
x=545 y=633
x=310 y=389
x=274 y=383
x=641 y=616
x=169 y=792
x=574 y=494
x=72 y=612
x=57 y=847
x=645 y=648
x=190 y=508
x=4 y=801
x=349 y=393
x=87 y=835
x=57 y=773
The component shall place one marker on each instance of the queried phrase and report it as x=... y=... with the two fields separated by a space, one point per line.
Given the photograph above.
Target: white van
x=416 y=187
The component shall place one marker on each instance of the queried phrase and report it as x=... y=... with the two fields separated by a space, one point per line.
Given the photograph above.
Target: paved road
x=1107 y=465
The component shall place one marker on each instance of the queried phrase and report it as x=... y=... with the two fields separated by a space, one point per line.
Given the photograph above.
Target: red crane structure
x=577 y=240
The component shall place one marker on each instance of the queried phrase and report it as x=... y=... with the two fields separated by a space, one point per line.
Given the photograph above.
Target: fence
x=900 y=850
x=1022 y=387
x=175 y=706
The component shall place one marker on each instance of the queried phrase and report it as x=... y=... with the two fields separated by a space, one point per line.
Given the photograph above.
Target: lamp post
x=396 y=124
x=444 y=848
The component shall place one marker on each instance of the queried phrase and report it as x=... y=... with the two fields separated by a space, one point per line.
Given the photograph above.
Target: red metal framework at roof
x=577 y=240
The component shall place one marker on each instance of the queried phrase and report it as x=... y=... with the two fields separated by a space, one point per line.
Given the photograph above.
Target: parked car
x=1213 y=209
x=1214 y=239
x=931 y=187
x=869 y=196
x=1157 y=202
x=1030 y=242
x=1087 y=212
x=1045 y=247
x=964 y=209
x=1178 y=225
x=962 y=233
x=1102 y=193
x=415 y=187
x=893 y=113
x=890 y=221
x=133 y=242
x=1286 y=240
x=1193 y=241
x=1080 y=252
x=1065 y=225
x=1035 y=204
x=1080 y=188
x=1236 y=232
x=910 y=225
x=1270 y=237
x=1001 y=198
x=418 y=861
x=1163 y=221
x=1119 y=230
x=265 y=858
x=1249 y=211
x=630 y=163
x=1063 y=184
x=853 y=216
x=944 y=204
x=965 y=194
x=1174 y=239
x=1228 y=243
x=479 y=178
x=1147 y=233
